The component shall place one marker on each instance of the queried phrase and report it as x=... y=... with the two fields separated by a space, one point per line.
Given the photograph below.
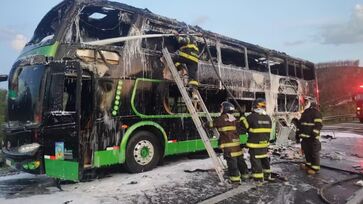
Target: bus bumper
x=21 y=162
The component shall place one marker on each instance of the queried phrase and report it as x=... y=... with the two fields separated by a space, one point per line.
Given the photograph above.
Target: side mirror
x=3 y=77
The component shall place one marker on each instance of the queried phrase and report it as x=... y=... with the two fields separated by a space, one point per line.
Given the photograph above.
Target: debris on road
x=359 y=183
x=356 y=155
x=330 y=137
x=198 y=170
x=333 y=155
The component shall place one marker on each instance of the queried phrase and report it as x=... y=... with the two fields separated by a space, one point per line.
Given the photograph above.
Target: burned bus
x=74 y=106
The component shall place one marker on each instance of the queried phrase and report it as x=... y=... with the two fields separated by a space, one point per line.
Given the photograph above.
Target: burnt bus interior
x=98 y=22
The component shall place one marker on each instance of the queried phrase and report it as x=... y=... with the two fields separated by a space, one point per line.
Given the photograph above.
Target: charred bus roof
x=164 y=25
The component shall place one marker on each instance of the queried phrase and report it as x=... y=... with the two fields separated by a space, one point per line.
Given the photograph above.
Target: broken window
x=173 y=102
x=232 y=56
x=156 y=44
x=204 y=56
x=98 y=23
x=287 y=103
x=166 y=98
x=288 y=85
x=50 y=24
x=248 y=94
x=256 y=61
x=246 y=105
x=292 y=103
x=69 y=94
x=277 y=66
x=298 y=71
x=308 y=71
x=213 y=99
x=292 y=68
x=260 y=95
x=281 y=103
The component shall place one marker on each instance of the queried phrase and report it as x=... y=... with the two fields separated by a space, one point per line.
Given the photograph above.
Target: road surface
x=171 y=184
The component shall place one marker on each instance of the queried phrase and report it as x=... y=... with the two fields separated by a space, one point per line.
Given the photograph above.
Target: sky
x=315 y=30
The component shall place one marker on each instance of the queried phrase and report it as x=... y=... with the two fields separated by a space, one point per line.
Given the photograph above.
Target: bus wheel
x=143 y=152
x=361 y=120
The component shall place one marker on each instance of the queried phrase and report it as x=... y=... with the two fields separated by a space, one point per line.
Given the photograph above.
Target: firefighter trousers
x=237 y=167
x=260 y=163
x=191 y=66
x=311 y=148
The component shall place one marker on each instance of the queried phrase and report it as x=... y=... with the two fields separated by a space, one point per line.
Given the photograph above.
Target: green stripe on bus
x=193 y=145
x=187 y=146
x=67 y=170
x=106 y=158
x=48 y=51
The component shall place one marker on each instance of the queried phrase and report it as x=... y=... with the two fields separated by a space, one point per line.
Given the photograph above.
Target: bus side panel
x=107 y=157
x=67 y=170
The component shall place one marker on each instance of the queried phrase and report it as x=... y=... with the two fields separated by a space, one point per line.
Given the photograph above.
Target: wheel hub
x=144 y=152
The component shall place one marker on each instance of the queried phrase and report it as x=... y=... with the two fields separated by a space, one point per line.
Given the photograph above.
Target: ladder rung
x=196 y=115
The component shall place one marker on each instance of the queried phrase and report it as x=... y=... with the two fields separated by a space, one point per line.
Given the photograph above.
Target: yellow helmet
x=259 y=103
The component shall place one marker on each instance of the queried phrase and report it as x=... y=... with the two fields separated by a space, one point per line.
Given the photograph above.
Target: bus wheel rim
x=144 y=152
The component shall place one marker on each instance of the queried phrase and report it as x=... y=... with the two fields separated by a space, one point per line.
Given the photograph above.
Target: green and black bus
x=74 y=106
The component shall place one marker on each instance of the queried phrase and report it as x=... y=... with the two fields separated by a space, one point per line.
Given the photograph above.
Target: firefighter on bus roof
x=188 y=54
x=308 y=129
x=258 y=126
x=229 y=142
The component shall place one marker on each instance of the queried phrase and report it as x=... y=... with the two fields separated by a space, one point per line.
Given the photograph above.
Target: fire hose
x=322 y=190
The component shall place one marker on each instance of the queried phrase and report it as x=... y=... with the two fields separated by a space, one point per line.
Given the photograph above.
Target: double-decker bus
x=74 y=106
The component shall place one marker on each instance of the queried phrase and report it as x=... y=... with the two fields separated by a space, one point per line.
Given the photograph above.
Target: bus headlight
x=28 y=148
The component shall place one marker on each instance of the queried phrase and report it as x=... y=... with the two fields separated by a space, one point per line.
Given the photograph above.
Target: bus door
x=86 y=104
x=61 y=121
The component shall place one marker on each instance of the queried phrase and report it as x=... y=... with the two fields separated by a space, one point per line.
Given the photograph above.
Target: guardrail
x=340 y=118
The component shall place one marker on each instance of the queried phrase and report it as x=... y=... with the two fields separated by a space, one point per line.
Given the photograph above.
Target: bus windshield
x=24 y=93
x=49 y=25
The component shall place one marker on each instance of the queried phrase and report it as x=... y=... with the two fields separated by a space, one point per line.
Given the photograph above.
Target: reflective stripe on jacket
x=310 y=124
x=229 y=140
x=188 y=50
x=258 y=126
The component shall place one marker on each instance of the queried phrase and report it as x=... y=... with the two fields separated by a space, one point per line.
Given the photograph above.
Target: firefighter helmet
x=259 y=103
x=227 y=107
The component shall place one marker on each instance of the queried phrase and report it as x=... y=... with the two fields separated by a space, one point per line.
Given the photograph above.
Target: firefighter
x=229 y=142
x=258 y=126
x=188 y=54
x=308 y=130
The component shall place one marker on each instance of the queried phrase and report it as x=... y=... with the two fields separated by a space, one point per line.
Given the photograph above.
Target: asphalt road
x=345 y=152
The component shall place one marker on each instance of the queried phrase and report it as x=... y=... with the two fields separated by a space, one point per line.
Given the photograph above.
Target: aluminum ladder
x=196 y=115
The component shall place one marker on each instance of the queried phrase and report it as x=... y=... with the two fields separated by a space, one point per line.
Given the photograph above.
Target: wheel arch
x=150 y=126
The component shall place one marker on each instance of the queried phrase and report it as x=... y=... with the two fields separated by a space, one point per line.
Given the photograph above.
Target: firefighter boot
x=303 y=167
x=235 y=180
x=311 y=172
x=245 y=177
x=269 y=179
x=259 y=182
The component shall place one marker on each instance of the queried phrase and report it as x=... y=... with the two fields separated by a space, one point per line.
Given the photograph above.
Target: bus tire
x=361 y=120
x=143 y=152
